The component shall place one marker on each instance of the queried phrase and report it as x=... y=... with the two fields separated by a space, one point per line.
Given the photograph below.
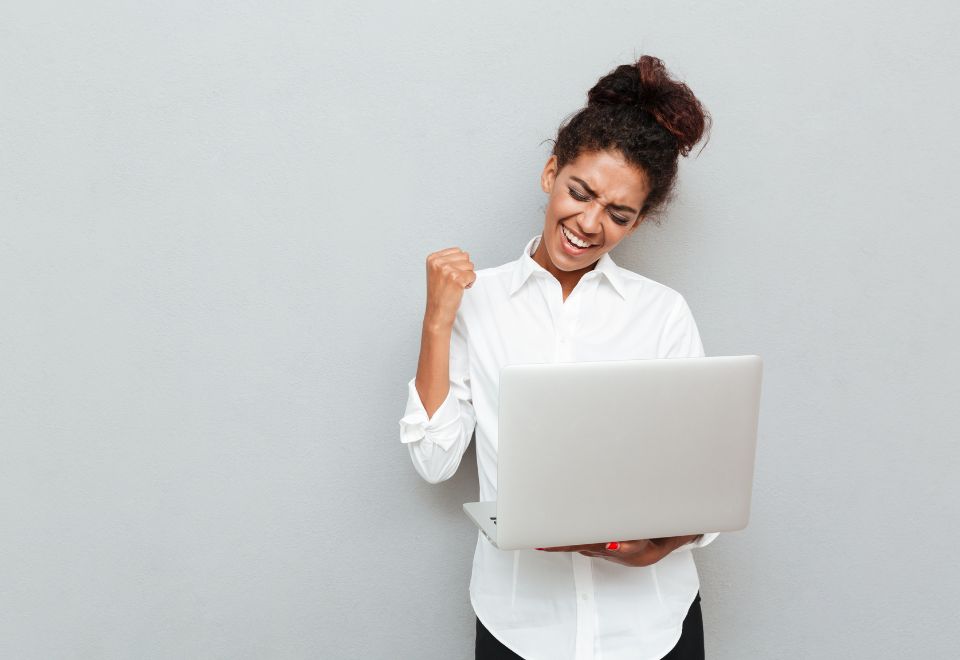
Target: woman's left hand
x=641 y=552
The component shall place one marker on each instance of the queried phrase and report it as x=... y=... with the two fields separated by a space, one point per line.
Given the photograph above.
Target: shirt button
x=563 y=340
x=585 y=597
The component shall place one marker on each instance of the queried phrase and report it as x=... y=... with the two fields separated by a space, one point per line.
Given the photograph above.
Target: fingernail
x=539 y=548
x=613 y=545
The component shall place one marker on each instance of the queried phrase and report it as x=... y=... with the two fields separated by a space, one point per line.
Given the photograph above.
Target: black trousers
x=688 y=647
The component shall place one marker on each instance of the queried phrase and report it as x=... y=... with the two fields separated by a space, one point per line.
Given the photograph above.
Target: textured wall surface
x=215 y=218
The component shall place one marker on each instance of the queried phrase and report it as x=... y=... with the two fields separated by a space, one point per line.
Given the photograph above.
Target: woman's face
x=598 y=198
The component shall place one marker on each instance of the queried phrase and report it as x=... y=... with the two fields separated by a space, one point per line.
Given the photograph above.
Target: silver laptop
x=590 y=452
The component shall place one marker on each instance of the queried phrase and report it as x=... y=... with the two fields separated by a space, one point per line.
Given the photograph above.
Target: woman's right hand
x=449 y=272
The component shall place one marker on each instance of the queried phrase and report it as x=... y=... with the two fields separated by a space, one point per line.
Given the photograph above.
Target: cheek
x=561 y=207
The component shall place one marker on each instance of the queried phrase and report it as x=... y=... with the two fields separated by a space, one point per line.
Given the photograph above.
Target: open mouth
x=570 y=247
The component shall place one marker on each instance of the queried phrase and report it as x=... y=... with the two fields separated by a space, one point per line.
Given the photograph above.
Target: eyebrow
x=589 y=190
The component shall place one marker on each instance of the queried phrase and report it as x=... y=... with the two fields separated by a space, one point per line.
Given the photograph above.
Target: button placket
x=569 y=314
x=586 y=619
x=552 y=292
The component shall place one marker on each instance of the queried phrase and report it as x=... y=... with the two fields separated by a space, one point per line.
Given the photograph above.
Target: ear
x=549 y=175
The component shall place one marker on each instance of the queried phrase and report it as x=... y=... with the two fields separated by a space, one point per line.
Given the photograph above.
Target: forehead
x=609 y=174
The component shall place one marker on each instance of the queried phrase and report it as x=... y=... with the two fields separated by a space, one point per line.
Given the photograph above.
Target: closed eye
x=580 y=197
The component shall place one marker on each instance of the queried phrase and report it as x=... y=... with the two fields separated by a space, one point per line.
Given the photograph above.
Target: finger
x=456 y=255
x=464 y=275
x=596 y=547
x=573 y=548
x=589 y=547
x=628 y=547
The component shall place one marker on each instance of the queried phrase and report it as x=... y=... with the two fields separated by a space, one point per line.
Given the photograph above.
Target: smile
x=572 y=243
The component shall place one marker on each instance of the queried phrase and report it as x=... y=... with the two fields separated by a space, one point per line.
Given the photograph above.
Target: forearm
x=439 y=419
x=675 y=542
x=433 y=368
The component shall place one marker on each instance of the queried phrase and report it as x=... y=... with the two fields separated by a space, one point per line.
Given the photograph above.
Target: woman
x=613 y=165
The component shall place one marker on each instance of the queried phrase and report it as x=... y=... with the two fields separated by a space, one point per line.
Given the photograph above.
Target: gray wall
x=215 y=221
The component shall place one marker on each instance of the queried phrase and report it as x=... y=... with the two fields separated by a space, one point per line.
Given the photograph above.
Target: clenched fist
x=449 y=272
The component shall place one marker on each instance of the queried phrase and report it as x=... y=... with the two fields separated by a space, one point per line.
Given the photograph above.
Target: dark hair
x=639 y=110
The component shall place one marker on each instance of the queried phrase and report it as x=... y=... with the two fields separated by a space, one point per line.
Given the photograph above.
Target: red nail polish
x=613 y=545
x=539 y=548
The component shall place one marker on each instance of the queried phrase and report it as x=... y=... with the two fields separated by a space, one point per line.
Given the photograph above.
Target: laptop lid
x=590 y=452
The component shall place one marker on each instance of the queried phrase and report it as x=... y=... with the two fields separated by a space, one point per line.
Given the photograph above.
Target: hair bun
x=647 y=85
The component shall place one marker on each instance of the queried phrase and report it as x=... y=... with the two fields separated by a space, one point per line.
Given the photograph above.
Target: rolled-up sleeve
x=437 y=443
x=681 y=338
x=705 y=539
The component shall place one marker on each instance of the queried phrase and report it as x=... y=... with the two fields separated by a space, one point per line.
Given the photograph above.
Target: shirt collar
x=526 y=267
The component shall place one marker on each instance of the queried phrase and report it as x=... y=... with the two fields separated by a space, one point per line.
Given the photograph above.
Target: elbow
x=435 y=479
x=437 y=459
x=432 y=470
x=434 y=476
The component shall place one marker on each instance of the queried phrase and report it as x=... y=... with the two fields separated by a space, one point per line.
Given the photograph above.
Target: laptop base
x=484 y=515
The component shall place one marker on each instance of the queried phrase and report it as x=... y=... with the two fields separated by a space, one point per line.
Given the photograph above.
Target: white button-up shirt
x=556 y=605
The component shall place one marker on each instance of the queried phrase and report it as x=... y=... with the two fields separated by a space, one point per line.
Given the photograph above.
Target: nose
x=592 y=219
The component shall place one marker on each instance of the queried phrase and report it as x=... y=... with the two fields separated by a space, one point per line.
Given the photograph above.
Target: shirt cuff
x=706 y=539
x=441 y=429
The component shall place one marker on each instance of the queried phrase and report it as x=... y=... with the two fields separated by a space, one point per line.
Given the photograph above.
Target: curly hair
x=640 y=111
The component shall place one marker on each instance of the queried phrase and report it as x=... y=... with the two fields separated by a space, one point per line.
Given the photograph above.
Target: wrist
x=682 y=541
x=437 y=327
x=691 y=540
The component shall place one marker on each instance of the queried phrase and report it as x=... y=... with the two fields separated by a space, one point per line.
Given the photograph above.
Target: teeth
x=573 y=239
